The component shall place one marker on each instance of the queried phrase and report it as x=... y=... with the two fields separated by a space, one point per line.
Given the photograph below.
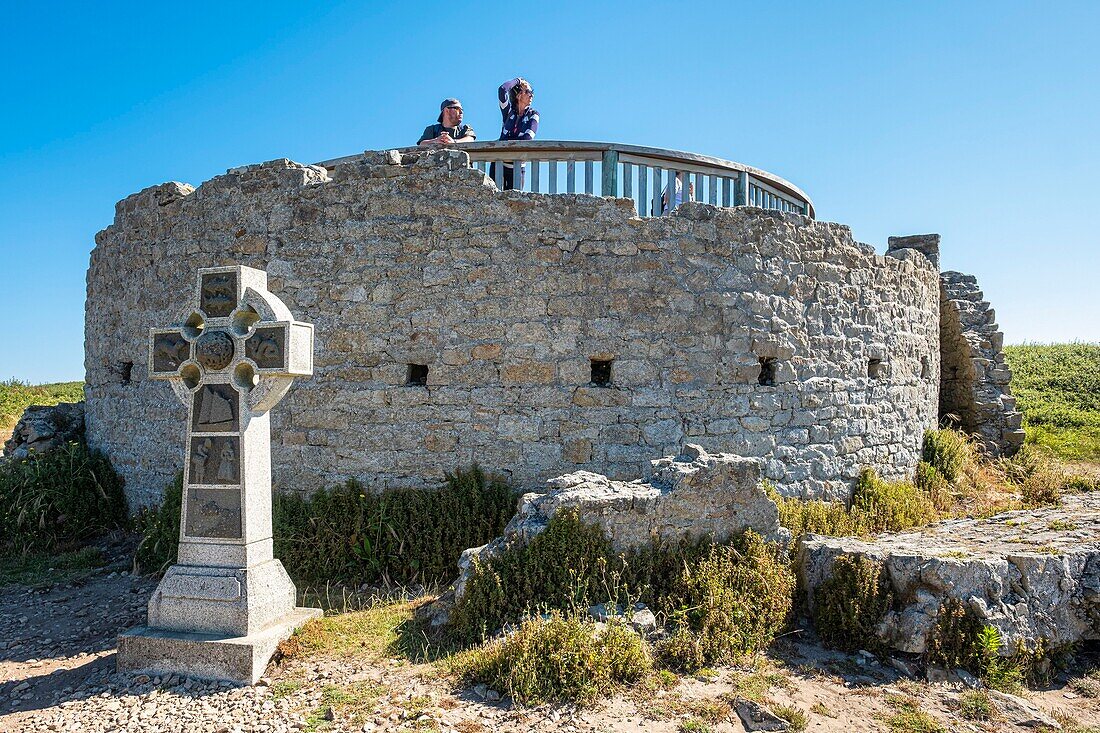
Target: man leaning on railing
x=449 y=128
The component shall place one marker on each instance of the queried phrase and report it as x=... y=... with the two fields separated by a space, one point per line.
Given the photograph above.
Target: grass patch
x=16 y=396
x=344 y=704
x=758 y=684
x=1057 y=387
x=373 y=633
x=39 y=568
x=1086 y=685
x=675 y=705
x=60 y=498
x=287 y=687
x=907 y=717
x=796 y=716
x=557 y=659
x=976 y=705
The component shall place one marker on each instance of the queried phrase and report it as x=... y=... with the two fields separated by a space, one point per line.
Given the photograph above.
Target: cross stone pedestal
x=223 y=608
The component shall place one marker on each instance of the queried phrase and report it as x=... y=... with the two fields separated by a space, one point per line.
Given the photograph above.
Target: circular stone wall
x=533 y=334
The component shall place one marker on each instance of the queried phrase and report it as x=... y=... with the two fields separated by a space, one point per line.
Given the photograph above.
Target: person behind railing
x=519 y=121
x=678 y=196
x=449 y=129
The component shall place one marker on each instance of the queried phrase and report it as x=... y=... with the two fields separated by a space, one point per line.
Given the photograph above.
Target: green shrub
x=59 y=498
x=1038 y=476
x=948 y=452
x=681 y=650
x=347 y=535
x=722 y=599
x=849 y=605
x=559 y=659
x=396 y=536
x=952 y=641
x=818 y=517
x=733 y=601
x=999 y=673
x=1083 y=484
x=890 y=506
x=959 y=639
x=877 y=506
x=160 y=531
x=929 y=480
x=565 y=567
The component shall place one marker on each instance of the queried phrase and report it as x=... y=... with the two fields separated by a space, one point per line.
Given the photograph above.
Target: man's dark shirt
x=433 y=131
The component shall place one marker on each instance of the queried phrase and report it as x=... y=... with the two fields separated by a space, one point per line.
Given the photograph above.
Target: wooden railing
x=631 y=171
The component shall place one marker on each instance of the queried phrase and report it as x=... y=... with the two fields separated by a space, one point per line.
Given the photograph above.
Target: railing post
x=741 y=190
x=609 y=185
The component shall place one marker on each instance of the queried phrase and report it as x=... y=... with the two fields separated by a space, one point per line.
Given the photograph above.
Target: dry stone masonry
x=1034 y=575
x=43 y=428
x=535 y=334
x=974 y=381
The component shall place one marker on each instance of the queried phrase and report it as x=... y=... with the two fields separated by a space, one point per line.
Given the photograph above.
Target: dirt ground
x=57 y=672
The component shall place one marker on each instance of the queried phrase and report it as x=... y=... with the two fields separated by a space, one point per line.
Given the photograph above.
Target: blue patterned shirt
x=513 y=126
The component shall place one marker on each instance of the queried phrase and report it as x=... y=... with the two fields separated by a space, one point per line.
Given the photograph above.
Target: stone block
x=240 y=659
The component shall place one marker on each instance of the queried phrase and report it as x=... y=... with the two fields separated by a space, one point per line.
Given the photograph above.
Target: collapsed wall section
x=535 y=334
x=974 y=386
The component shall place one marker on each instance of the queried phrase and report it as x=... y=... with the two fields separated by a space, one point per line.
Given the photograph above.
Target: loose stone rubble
x=694 y=494
x=41 y=429
x=1034 y=574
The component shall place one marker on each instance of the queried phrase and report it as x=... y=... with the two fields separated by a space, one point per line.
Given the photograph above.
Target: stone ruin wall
x=974 y=390
x=506 y=297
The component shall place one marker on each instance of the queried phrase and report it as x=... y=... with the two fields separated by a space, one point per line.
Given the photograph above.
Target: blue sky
x=975 y=120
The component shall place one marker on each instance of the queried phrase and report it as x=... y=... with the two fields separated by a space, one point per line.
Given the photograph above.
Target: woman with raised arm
x=519 y=121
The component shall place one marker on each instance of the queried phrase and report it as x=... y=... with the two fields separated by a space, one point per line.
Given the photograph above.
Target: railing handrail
x=565 y=150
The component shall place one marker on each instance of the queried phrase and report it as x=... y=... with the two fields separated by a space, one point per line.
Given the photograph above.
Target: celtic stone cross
x=230 y=358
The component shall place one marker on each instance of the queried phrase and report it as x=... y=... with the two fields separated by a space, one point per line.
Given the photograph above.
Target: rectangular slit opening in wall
x=874 y=368
x=124 y=370
x=601 y=372
x=417 y=375
x=925 y=368
x=767 y=371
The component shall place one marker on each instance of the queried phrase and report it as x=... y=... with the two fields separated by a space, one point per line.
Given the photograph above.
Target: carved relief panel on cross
x=231 y=357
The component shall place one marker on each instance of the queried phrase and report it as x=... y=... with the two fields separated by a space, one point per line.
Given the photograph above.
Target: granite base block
x=240 y=659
